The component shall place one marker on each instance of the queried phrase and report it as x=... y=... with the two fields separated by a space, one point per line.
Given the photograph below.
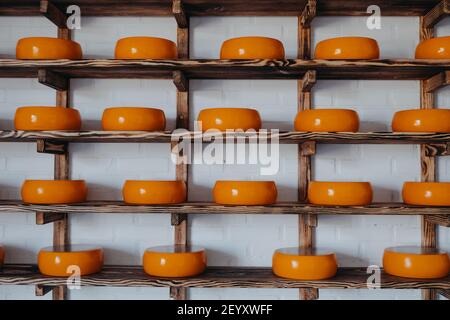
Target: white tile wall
x=230 y=240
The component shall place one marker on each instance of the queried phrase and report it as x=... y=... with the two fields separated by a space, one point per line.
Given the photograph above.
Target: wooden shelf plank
x=292 y=137
x=224 y=7
x=216 y=277
x=212 y=208
x=228 y=69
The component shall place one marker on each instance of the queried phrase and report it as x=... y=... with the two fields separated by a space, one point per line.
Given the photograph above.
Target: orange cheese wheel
x=229 y=118
x=347 y=48
x=327 y=120
x=435 y=48
x=426 y=193
x=302 y=264
x=133 y=119
x=44 y=48
x=416 y=262
x=251 y=193
x=154 y=192
x=340 y=193
x=145 y=48
x=54 y=191
x=2 y=256
x=47 y=118
x=63 y=261
x=252 y=48
x=175 y=261
x=429 y=120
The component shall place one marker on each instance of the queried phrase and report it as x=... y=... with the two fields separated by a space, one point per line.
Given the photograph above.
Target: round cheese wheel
x=303 y=264
x=175 y=261
x=63 y=261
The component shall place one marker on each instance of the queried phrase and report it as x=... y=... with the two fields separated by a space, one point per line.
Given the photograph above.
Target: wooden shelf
x=212 y=208
x=404 y=69
x=216 y=277
x=223 y=7
x=292 y=137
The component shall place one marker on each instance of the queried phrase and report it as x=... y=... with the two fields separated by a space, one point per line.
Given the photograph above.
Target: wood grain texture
x=46 y=146
x=216 y=277
x=439 y=11
x=292 y=137
x=52 y=80
x=119 y=207
x=225 y=7
x=428 y=164
x=436 y=82
x=53 y=13
x=402 y=69
x=434 y=150
x=441 y=220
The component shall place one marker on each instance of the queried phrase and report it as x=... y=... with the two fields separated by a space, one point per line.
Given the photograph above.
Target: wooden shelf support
x=436 y=82
x=53 y=80
x=441 y=220
x=304 y=29
x=177 y=218
x=435 y=150
x=444 y=293
x=53 y=13
x=51 y=147
x=440 y=11
x=180 y=14
x=49 y=217
x=42 y=290
x=180 y=81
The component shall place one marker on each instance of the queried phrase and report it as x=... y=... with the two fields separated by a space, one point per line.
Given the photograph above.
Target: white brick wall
x=230 y=240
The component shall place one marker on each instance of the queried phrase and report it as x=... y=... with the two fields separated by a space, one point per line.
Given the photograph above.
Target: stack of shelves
x=57 y=74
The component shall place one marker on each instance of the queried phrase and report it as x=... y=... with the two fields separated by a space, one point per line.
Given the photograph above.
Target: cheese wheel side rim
x=421 y=120
x=416 y=266
x=54 y=191
x=61 y=263
x=347 y=48
x=141 y=192
x=145 y=47
x=133 y=119
x=304 y=267
x=174 y=265
x=254 y=193
x=43 y=118
x=47 y=48
x=252 y=47
x=337 y=193
x=426 y=193
x=327 y=120
x=435 y=48
x=223 y=119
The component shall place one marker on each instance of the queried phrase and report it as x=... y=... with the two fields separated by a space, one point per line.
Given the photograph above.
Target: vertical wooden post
x=306 y=222
x=428 y=164
x=61 y=172
x=181 y=229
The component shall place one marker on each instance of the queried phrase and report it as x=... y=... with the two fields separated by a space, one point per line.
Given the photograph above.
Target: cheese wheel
x=422 y=120
x=133 y=119
x=303 y=264
x=426 y=193
x=47 y=118
x=434 y=48
x=44 y=48
x=348 y=48
x=327 y=120
x=175 y=261
x=416 y=262
x=63 y=261
x=154 y=192
x=252 y=48
x=246 y=193
x=145 y=48
x=54 y=191
x=229 y=118
x=340 y=193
